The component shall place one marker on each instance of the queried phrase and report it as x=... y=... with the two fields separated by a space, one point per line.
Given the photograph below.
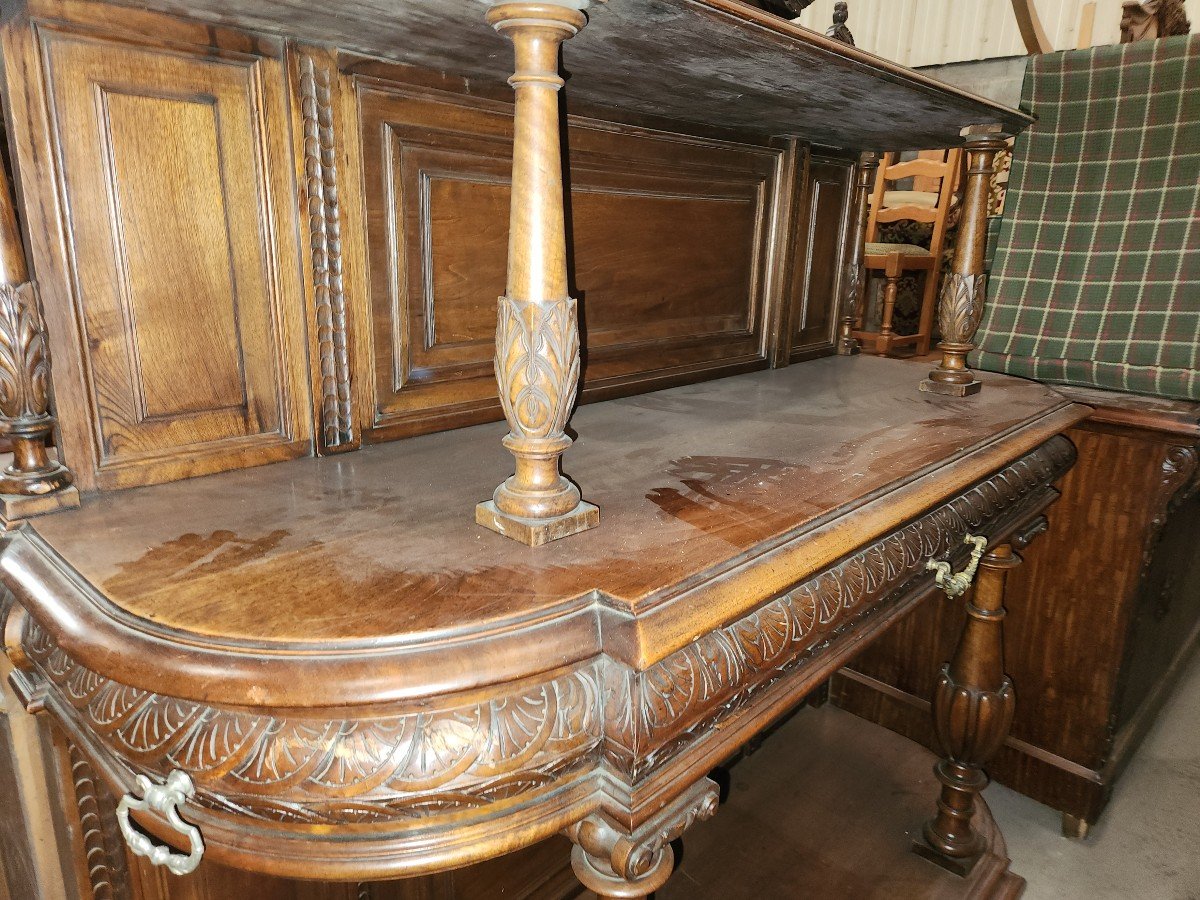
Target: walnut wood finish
x=33 y=483
x=1125 y=613
x=793 y=795
x=739 y=75
x=972 y=712
x=960 y=308
x=572 y=679
x=854 y=282
x=537 y=334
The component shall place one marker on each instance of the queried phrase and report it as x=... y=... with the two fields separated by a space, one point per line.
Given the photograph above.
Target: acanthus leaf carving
x=24 y=364
x=537 y=364
x=960 y=308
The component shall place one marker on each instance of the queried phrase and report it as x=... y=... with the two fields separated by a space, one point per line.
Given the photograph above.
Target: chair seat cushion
x=923 y=199
x=876 y=248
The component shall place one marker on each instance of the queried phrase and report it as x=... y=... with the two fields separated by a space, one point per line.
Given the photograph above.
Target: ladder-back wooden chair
x=934 y=175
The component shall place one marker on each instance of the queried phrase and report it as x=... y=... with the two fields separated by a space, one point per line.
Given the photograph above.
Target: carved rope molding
x=316 y=771
x=103 y=846
x=325 y=243
x=651 y=715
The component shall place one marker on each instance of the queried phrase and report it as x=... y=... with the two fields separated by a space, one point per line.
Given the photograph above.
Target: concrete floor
x=1146 y=845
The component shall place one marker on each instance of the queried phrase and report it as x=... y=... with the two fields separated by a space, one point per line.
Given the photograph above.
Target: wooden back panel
x=669 y=237
x=250 y=251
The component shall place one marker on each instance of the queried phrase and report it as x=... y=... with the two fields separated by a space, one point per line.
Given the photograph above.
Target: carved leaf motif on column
x=24 y=364
x=537 y=364
x=960 y=308
x=325 y=245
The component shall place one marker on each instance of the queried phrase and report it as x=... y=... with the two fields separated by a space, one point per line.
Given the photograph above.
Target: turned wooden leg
x=34 y=482
x=537 y=330
x=614 y=863
x=972 y=711
x=961 y=306
x=854 y=276
x=892 y=272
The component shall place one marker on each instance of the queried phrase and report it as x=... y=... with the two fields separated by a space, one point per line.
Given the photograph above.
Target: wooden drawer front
x=668 y=244
x=176 y=272
x=816 y=282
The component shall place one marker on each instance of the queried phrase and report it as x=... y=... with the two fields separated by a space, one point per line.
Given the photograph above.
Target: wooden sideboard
x=264 y=244
x=1102 y=617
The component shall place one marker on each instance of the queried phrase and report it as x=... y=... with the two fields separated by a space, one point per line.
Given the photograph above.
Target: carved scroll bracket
x=614 y=863
x=960 y=307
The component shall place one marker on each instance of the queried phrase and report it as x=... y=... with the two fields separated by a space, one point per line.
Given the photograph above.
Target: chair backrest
x=935 y=178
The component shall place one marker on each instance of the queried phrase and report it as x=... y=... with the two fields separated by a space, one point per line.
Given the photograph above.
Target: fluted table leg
x=614 y=863
x=854 y=276
x=972 y=711
x=34 y=482
x=537 y=331
x=960 y=307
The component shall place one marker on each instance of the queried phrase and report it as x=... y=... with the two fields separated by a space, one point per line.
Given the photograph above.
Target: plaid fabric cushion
x=1096 y=279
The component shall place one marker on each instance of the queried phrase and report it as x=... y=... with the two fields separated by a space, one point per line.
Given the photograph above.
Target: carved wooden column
x=34 y=483
x=972 y=711
x=854 y=276
x=537 y=332
x=614 y=863
x=960 y=306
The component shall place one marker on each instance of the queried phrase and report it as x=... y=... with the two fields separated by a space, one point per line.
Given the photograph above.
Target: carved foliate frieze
x=334 y=771
x=325 y=248
x=435 y=760
x=24 y=363
x=650 y=715
x=960 y=309
x=537 y=365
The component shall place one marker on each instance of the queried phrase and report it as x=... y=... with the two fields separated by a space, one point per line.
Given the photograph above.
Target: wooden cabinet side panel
x=816 y=280
x=180 y=256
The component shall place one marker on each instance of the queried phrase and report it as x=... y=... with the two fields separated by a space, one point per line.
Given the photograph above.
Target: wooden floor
x=827 y=808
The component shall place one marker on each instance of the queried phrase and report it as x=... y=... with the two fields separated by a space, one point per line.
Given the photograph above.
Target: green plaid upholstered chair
x=1096 y=278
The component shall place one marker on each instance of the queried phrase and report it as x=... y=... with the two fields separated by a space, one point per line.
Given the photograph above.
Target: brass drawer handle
x=165 y=799
x=956 y=584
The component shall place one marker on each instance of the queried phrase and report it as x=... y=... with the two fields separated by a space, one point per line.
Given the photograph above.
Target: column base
x=23 y=506
x=951 y=389
x=848 y=347
x=535 y=532
x=960 y=867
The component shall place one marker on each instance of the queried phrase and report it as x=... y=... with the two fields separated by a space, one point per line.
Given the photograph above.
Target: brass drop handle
x=164 y=799
x=955 y=584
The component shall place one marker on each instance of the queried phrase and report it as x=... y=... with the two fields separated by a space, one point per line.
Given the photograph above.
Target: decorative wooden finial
x=34 y=483
x=960 y=306
x=854 y=276
x=537 y=332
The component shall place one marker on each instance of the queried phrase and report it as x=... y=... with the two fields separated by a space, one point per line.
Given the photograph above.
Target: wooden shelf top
x=713 y=63
x=369 y=567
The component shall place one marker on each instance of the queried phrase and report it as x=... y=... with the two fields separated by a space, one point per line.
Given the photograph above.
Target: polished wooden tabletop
x=713 y=497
